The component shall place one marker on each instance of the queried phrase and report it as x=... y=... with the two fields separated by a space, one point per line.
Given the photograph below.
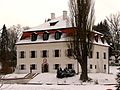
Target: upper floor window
x=58 y=35
x=69 y=52
x=57 y=53
x=45 y=35
x=44 y=53
x=97 y=55
x=104 y=55
x=34 y=36
x=33 y=54
x=91 y=54
x=22 y=54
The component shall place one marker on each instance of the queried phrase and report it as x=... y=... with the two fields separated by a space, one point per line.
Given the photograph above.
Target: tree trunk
x=84 y=74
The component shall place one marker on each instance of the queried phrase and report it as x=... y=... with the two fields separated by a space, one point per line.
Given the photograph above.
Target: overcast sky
x=34 y=12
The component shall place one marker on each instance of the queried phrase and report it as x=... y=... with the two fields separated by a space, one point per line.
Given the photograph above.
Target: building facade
x=44 y=49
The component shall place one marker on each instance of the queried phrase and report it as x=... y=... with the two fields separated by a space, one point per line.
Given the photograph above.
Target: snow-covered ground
x=48 y=81
x=8 y=76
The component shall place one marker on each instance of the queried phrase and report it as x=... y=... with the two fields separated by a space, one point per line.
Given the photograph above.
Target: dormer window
x=102 y=39
x=45 y=35
x=58 y=35
x=96 y=37
x=53 y=23
x=34 y=36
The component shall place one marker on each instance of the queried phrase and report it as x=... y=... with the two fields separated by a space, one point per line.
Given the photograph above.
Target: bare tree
x=82 y=19
x=114 y=24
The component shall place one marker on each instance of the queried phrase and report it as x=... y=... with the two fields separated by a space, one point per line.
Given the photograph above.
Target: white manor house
x=44 y=49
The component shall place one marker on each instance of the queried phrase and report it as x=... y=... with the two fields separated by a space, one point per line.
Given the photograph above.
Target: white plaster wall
x=63 y=60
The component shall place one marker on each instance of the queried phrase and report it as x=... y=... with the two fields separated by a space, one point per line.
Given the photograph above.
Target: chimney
x=52 y=16
x=64 y=15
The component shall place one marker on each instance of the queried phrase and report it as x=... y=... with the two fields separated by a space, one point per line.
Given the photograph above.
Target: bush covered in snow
x=65 y=73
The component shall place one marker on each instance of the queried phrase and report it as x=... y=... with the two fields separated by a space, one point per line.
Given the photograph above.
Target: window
x=102 y=39
x=53 y=23
x=56 y=66
x=22 y=54
x=44 y=53
x=91 y=54
x=45 y=35
x=58 y=35
x=70 y=66
x=97 y=55
x=33 y=66
x=90 y=66
x=33 y=54
x=96 y=38
x=34 y=36
x=104 y=66
x=95 y=66
x=57 y=53
x=104 y=55
x=22 y=67
x=69 y=52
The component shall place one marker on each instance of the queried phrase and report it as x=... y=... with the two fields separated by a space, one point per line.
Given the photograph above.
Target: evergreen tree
x=4 y=51
x=103 y=28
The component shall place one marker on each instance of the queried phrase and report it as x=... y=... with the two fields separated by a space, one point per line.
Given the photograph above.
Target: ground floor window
x=104 y=66
x=33 y=66
x=95 y=66
x=56 y=66
x=22 y=67
x=70 y=66
x=90 y=66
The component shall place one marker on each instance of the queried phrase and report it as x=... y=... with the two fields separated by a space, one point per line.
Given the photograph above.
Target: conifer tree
x=4 y=51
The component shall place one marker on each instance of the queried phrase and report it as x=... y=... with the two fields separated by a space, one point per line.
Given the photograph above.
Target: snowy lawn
x=56 y=87
x=9 y=76
x=48 y=81
x=101 y=78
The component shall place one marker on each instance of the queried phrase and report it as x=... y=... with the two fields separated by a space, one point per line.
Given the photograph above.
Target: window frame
x=97 y=55
x=56 y=66
x=104 y=55
x=69 y=52
x=45 y=36
x=22 y=54
x=33 y=66
x=44 y=53
x=91 y=66
x=33 y=55
x=22 y=67
x=70 y=66
x=56 y=53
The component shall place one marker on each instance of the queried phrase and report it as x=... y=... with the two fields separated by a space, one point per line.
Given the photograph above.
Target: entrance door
x=45 y=68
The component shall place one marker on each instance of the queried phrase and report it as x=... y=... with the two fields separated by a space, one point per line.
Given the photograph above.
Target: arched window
x=34 y=36
x=58 y=35
x=45 y=35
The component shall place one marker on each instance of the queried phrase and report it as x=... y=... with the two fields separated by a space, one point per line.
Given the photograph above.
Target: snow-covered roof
x=61 y=23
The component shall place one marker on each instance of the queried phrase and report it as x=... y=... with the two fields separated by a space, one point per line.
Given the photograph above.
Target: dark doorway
x=44 y=68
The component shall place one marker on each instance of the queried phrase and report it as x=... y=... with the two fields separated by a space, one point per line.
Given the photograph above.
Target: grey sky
x=34 y=12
